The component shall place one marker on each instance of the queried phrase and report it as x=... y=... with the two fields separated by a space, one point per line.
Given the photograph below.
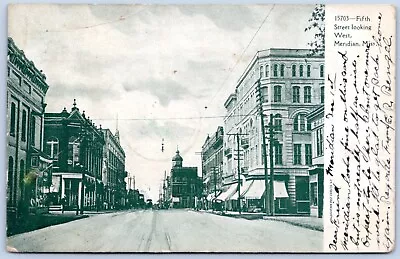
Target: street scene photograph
x=165 y=128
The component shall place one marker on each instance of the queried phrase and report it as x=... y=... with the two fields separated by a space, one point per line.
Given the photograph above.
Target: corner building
x=292 y=86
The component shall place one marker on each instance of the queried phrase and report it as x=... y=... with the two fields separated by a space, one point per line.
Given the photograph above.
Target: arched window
x=300 y=123
x=277 y=93
x=23 y=126
x=278 y=122
x=267 y=71
x=10 y=181
x=301 y=71
x=261 y=71
x=293 y=70
x=307 y=94
x=282 y=70
x=296 y=94
x=321 y=71
x=12 y=119
x=308 y=70
x=275 y=69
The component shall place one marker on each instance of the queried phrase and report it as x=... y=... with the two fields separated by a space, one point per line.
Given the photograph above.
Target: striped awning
x=228 y=193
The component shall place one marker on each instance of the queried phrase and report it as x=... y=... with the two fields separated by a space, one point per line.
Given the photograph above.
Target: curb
x=312 y=227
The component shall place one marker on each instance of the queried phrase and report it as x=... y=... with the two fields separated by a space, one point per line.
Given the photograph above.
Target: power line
x=244 y=51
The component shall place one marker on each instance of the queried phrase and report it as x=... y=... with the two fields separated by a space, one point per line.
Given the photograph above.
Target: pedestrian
x=63 y=204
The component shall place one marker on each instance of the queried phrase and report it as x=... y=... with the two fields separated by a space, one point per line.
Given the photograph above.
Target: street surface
x=168 y=231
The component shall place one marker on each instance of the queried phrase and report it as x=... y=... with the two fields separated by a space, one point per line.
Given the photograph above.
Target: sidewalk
x=34 y=222
x=313 y=223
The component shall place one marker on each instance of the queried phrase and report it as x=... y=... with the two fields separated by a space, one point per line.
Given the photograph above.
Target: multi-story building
x=29 y=169
x=113 y=170
x=184 y=184
x=212 y=164
x=76 y=146
x=316 y=118
x=292 y=86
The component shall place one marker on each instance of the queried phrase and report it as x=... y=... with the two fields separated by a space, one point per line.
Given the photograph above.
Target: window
x=21 y=173
x=33 y=130
x=275 y=69
x=282 y=204
x=261 y=71
x=296 y=94
x=301 y=72
x=293 y=70
x=307 y=94
x=277 y=93
x=321 y=71
x=73 y=151
x=308 y=70
x=320 y=142
x=23 y=127
x=267 y=71
x=12 y=119
x=282 y=70
x=278 y=154
x=52 y=148
x=300 y=123
x=297 y=154
x=10 y=180
x=308 y=154
x=314 y=194
x=278 y=122
x=322 y=94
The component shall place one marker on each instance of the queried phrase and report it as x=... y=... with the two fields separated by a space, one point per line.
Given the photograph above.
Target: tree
x=317 y=24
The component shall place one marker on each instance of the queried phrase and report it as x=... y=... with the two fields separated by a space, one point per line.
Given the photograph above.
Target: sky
x=157 y=68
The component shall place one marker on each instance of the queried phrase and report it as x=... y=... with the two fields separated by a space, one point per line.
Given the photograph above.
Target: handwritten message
x=359 y=208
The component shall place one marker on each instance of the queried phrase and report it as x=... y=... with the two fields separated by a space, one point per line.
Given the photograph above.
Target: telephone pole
x=260 y=100
x=238 y=163
x=271 y=128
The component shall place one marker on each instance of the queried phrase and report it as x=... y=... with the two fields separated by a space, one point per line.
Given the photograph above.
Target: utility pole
x=271 y=161
x=215 y=185
x=238 y=163
x=202 y=176
x=264 y=147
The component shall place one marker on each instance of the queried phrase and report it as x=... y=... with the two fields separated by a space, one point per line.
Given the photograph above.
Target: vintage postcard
x=200 y=128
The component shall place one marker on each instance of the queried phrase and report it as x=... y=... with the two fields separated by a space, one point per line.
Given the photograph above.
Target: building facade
x=316 y=171
x=76 y=146
x=291 y=86
x=184 y=184
x=28 y=169
x=212 y=165
x=113 y=175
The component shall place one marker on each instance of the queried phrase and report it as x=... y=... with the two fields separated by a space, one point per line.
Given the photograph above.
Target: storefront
x=316 y=191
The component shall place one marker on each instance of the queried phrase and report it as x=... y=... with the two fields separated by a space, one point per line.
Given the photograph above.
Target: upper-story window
x=278 y=154
x=277 y=93
x=321 y=71
x=293 y=70
x=12 y=119
x=267 y=71
x=261 y=71
x=300 y=123
x=23 y=126
x=322 y=94
x=73 y=151
x=275 y=69
x=301 y=70
x=296 y=94
x=308 y=70
x=52 y=148
x=307 y=94
x=320 y=141
x=278 y=122
x=297 y=154
x=282 y=70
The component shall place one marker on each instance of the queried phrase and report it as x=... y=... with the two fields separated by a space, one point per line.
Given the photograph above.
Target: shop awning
x=228 y=193
x=211 y=197
x=280 y=190
x=234 y=197
x=255 y=191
